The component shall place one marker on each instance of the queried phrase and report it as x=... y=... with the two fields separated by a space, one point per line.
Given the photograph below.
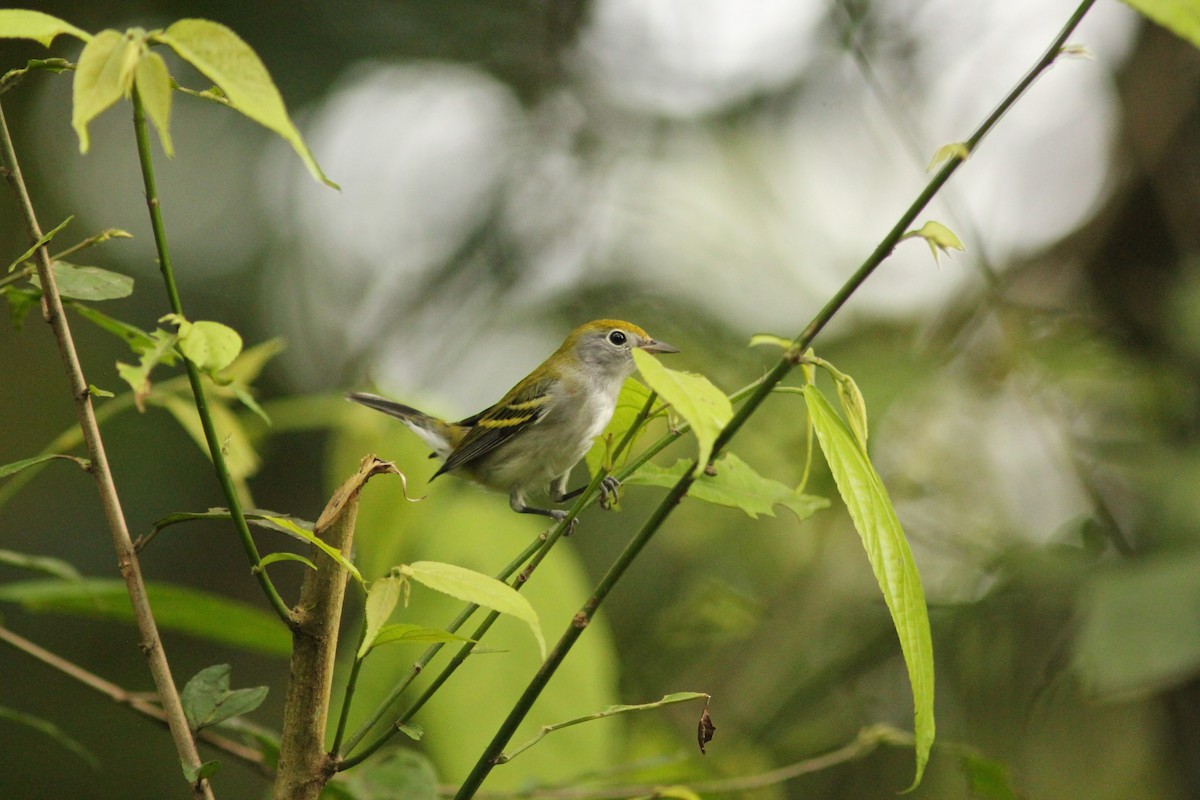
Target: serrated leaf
x=939 y=238
x=153 y=83
x=211 y=346
x=734 y=484
x=474 y=587
x=693 y=397
x=1181 y=17
x=103 y=76
x=891 y=559
x=630 y=402
x=207 y=699
x=382 y=598
x=19 y=23
x=47 y=728
x=25 y=463
x=230 y=63
x=408 y=633
x=50 y=566
x=88 y=283
x=176 y=608
x=946 y=152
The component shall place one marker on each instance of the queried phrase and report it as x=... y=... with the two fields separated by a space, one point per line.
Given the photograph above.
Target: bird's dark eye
x=617 y=337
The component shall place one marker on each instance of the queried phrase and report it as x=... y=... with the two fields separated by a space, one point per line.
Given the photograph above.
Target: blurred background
x=709 y=170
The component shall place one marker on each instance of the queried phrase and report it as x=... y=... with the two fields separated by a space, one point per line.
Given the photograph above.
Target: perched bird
x=545 y=424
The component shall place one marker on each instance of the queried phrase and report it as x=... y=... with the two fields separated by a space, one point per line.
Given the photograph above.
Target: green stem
x=487 y=759
x=193 y=373
x=351 y=685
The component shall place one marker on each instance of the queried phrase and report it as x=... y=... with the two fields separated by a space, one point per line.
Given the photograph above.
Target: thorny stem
x=487 y=759
x=210 y=431
x=52 y=310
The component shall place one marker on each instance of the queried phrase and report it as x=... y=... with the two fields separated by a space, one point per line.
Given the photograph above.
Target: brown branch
x=52 y=311
x=141 y=702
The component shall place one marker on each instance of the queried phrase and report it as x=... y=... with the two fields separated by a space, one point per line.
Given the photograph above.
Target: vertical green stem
x=487 y=760
x=210 y=431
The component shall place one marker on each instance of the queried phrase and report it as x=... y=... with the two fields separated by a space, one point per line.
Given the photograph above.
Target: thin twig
x=52 y=310
x=135 y=701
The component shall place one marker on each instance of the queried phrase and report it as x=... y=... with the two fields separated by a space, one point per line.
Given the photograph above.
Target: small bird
x=544 y=425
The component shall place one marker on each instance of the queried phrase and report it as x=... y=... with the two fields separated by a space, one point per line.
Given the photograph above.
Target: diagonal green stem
x=487 y=759
x=210 y=431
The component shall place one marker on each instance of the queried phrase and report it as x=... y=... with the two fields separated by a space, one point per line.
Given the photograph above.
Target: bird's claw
x=609 y=487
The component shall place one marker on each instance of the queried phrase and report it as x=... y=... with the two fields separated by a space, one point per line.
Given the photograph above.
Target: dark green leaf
x=988 y=779
x=398 y=774
x=176 y=608
x=25 y=463
x=20 y=303
x=733 y=484
x=208 y=700
x=205 y=770
x=135 y=337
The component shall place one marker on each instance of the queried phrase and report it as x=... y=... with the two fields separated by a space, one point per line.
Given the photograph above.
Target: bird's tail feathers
x=433 y=431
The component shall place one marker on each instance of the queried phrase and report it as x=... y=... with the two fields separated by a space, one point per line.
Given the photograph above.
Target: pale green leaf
x=854 y=407
x=207 y=699
x=630 y=402
x=693 y=397
x=240 y=456
x=211 y=346
x=103 y=76
x=939 y=238
x=1181 y=17
x=176 y=608
x=733 y=484
x=890 y=556
x=19 y=23
x=50 y=566
x=770 y=340
x=250 y=362
x=47 y=728
x=284 y=555
x=409 y=633
x=293 y=529
x=230 y=63
x=153 y=83
x=948 y=151
x=96 y=391
x=382 y=598
x=474 y=587
x=158 y=349
x=88 y=283
x=26 y=463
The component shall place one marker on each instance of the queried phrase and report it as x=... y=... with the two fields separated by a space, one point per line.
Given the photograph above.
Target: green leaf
x=103 y=76
x=411 y=730
x=609 y=711
x=408 y=633
x=771 y=340
x=88 y=283
x=394 y=774
x=474 y=587
x=300 y=533
x=205 y=770
x=693 y=397
x=382 y=598
x=1181 y=17
x=45 y=239
x=134 y=336
x=630 y=402
x=20 y=303
x=51 y=566
x=159 y=350
x=96 y=391
x=208 y=700
x=734 y=484
x=176 y=608
x=948 y=151
x=211 y=346
x=230 y=63
x=48 y=728
x=153 y=83
x=939 y=238
x=19 y=23
x=988 y=779
x=284 y=555
x=240 y=456
x=891 y=559
x=26 y=463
